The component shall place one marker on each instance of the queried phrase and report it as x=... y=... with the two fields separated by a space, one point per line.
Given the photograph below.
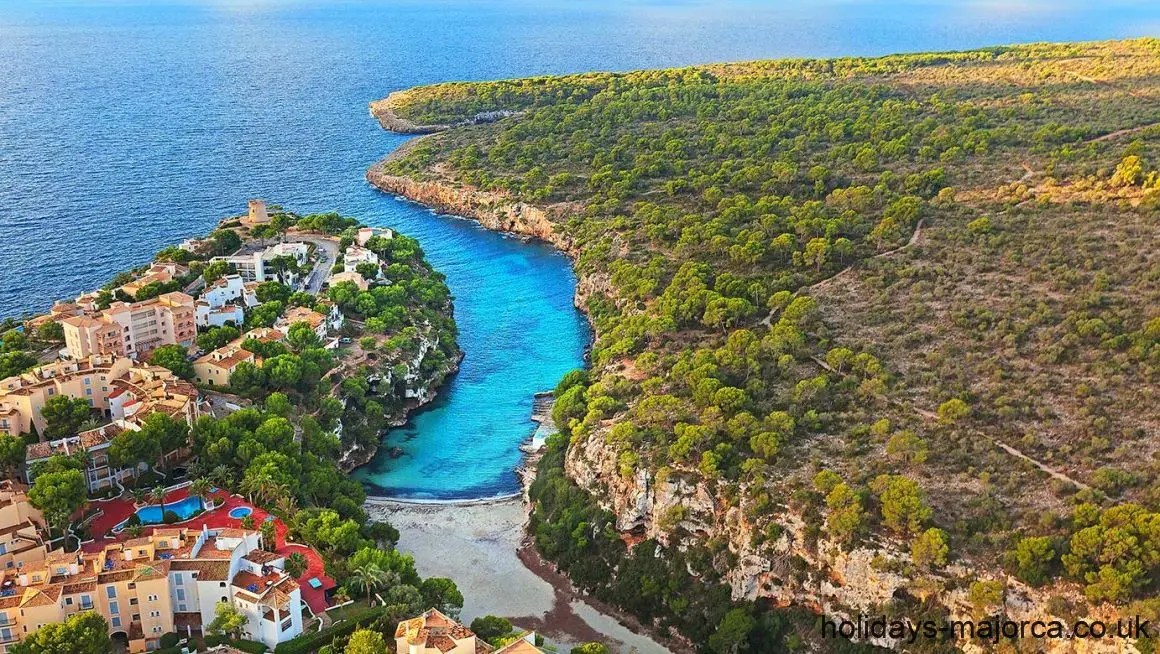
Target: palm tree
x=255 y=485
x=139 y=495
x=286 y=505
x=369 y=577
x=199 y=488
x=222 y=475
x=158 y=495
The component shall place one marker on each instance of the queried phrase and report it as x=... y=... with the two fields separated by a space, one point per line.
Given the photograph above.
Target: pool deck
x=118 y=510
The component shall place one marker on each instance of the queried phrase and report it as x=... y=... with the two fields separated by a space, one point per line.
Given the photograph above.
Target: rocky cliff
x=791 y=570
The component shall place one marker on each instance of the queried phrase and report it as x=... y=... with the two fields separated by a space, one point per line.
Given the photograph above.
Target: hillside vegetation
x=914 y=298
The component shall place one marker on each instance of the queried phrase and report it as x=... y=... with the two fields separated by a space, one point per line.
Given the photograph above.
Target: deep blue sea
x=128 y=126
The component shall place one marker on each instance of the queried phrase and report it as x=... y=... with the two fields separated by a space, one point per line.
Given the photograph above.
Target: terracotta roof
x=441 y=643
x=262 y=557
x=520 y=646
x=206 y=570
x=41 y=596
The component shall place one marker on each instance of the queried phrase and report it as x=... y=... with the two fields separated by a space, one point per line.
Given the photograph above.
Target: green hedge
x=249 y=646
x=310 y=642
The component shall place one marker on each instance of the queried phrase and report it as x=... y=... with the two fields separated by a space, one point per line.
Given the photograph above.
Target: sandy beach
x=478 y=545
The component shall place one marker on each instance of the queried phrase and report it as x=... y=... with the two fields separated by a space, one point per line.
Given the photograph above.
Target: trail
x=1135 y=94
x=768 y=319
x=931 y=415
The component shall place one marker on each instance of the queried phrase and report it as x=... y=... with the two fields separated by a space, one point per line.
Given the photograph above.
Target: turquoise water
x=184 y=508
x=240 y=512
x=127 y=126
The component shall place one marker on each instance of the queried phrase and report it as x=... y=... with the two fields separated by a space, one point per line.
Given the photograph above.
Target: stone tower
x=258 y=213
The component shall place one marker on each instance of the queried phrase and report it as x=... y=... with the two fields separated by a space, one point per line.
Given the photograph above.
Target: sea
x=127 y=126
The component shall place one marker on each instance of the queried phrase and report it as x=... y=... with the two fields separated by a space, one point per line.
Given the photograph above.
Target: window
x=180 y=594
x=132 y=601
x=221 y=584
x=114 y=608
x=116 y=622
x=68 y=601
x=111 y=591
x=88 y=382
x=88 y=391
x=177 y=579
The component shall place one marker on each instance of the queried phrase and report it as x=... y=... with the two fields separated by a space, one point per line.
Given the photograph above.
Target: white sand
x=475 y=545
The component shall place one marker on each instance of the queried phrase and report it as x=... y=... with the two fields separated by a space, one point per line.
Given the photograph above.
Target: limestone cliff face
x=824 y=577
x=418 y=388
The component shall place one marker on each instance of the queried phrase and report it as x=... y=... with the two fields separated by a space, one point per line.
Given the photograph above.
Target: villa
x=224 y=301
x=435 y=633
x=367 y=233
x=358 y=280
x=355 y=255
x=165 y=582
x=132 y=330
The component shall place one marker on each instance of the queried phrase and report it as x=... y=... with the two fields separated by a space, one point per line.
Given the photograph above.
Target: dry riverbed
x=479 y=546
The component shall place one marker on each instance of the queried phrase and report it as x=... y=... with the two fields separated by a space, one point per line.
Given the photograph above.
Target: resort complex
x=169 y=437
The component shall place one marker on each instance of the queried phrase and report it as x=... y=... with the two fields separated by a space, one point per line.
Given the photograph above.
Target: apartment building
x=435 y=633
x=21 y=528
x=132 y=330
x=225 y=300
x=128 y=398
x=168 y=581
x=115 y=387
x=22 y=396
x=161 y=273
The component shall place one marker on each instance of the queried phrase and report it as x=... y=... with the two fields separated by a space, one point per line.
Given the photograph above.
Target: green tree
x=930 y=549
x=367 y=579
x=11 y=454
x=301 y=337
x=131 y=447
x=81 y=633
x=63 y=416
x=58 y=495
x=442 y=593
x=226 y=620
x=491 y=628
x=169 y=433
x=296 y=564
x=953 y=411
x=903 y=509
x=732 y=634
x=215 y=270
x=1034 y=556
x=175 y=358
x=591 y=648
x=365 y=641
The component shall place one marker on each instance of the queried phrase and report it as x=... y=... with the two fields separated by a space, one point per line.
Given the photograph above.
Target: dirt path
x=931 y=415
x=768 y=319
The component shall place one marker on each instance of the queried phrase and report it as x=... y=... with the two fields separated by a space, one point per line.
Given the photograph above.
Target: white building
x=225 y=301
x=356 y=255
x=366 y=233
x=255 y=266
x=229 y=565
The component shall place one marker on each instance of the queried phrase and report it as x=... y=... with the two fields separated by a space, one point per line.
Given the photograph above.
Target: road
x=328 y=253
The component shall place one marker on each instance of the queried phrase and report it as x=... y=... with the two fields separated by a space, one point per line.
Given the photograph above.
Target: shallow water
x=127 y=126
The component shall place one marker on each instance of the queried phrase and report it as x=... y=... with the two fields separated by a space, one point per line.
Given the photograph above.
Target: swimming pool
x=153 y=515
x=240 y=512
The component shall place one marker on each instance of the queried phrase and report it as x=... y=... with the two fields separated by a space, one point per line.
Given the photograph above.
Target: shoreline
x=528 y=222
